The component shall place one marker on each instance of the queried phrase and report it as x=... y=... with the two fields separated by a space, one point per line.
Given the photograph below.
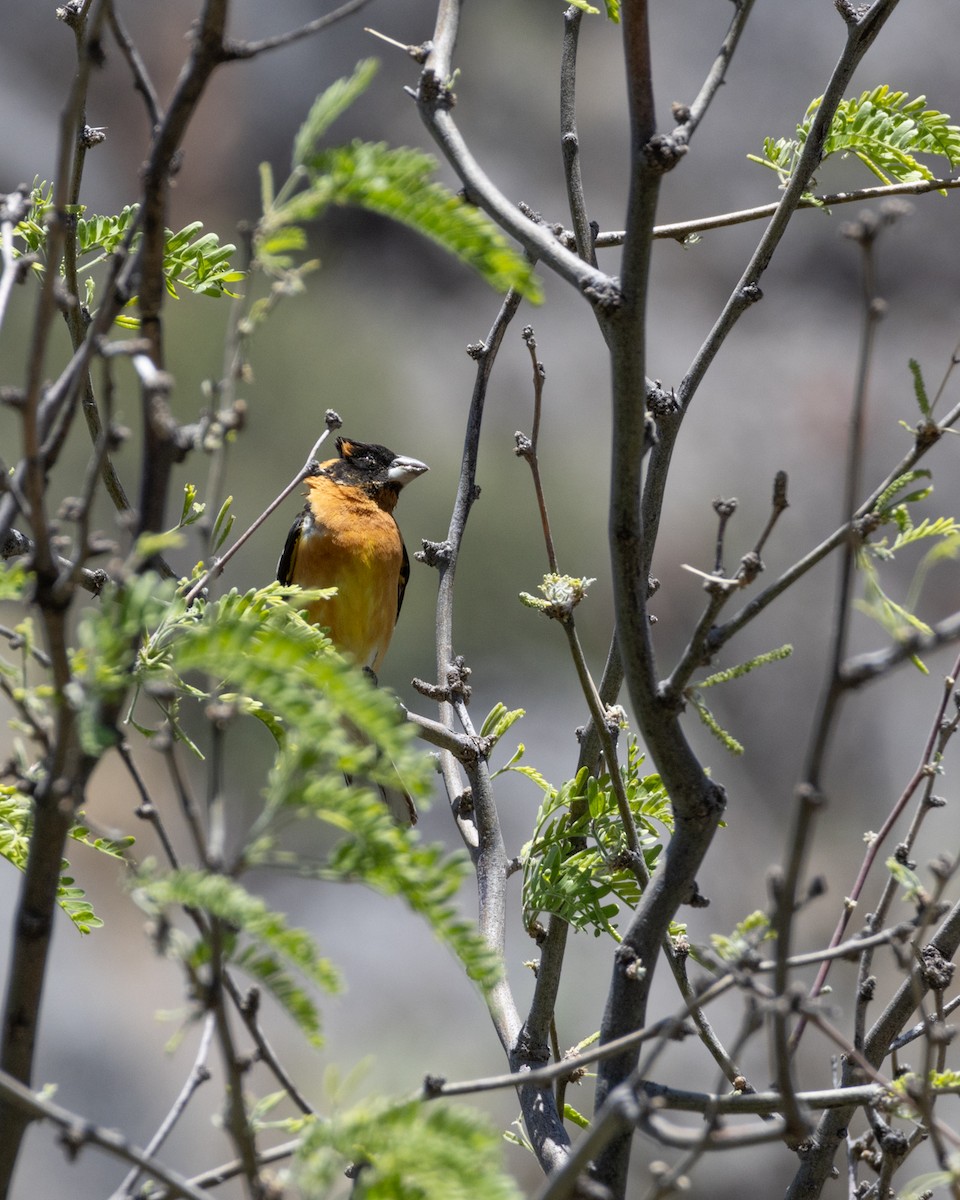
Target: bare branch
x=78 y=1132
x=234 y=51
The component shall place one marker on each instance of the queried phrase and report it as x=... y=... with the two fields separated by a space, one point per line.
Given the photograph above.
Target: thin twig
x=141 y=79
x=243 y=50
x=569 y=139
x=544 y=1076
x=716 y=76
x=924 y=769
x=12 y=211
x=681 y=230
x=79 y=1132
x=825 y=720
x=199 y=1074
x=308 y=468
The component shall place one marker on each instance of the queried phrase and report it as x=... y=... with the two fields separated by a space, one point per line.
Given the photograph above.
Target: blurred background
x=380 y=336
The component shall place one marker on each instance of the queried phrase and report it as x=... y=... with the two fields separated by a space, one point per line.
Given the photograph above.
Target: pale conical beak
x=404 y=470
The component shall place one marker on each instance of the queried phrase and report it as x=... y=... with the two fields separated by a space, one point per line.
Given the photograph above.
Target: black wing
x=404 y=576
x=288 y=559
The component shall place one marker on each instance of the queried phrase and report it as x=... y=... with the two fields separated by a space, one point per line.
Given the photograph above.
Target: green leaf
x=15 y=580
x=407 y=1150
x=561 y=595
x=577 y=867
x=727 y=740
x=919 y=388
x=884 y=129
x=397 y=183
x=885 y=500
x=16 y=830
x=741 y=945
x=265 y=939
x=498 y=720
x=574 y=1117
x=908 y=879
x=335 y=100
x=222 y=525
x=330 y=721
x=744 y=668
x=199 y=264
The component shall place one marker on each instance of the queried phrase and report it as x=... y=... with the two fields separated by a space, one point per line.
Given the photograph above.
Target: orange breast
x=353 y=545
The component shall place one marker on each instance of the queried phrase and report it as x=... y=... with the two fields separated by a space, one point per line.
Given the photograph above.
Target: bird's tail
x=398 y=800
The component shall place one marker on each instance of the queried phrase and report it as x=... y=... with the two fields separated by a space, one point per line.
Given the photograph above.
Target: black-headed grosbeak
x=347 y=538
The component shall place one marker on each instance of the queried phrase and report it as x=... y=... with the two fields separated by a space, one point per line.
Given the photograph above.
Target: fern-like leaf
x=406 y=1150
x=16 y=829
x=577 y=867
x=262 y=940
x=884 y=129
x=329 y=105
x=397 y=183
x=193 y=260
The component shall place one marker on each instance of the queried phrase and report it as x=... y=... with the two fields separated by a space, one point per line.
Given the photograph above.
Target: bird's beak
x=404 y=470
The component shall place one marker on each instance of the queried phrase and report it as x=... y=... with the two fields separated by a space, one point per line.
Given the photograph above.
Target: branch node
x=695 y=898
x=523 y=447
x=419 y=54
x=605 y=296
x=935 y=970
x=663 y=152
x=91 y=136
x=660 y=402
x=71 y=13
x=434 y=554
x=434 y=94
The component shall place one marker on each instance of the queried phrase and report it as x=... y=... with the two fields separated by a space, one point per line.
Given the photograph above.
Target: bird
x=347 y=537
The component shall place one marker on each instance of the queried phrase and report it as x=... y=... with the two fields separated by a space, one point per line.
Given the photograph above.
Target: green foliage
x=222 y=526
x=924 y=1187
x=576 y=1118
x=561 y=595
x=259 y=941
x=406 y=1150
x=394 y=182
x=329 y=105
x=909 y=1085
x=692 y=694
x=884 y=129
x=612 y=8
x=16 y=829
x=885 y=508
x=197 y=264
x=741 y=945
x=920 y=390
x=15 y=579
x=329 y=721
x=577 y=866
x=893 y=508
x=907 y=878
x=108 y=654
x=726 y=739
x=744 y=668
x=397 y=183
x=260 y=658
x=498 y=720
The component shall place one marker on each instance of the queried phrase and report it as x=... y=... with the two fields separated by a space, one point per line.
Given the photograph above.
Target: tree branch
x=78 y=1132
